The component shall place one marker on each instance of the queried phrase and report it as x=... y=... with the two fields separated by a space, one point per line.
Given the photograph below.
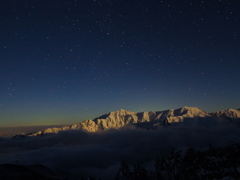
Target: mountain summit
x=121 y=118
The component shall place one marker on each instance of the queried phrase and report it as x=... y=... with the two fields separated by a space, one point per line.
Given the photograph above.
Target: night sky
x=63 y=61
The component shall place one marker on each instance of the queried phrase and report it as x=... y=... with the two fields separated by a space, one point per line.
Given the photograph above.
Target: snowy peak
x=121 y=112
x=190 y=112
x=113 y=114
x=178 y=115
x=115 y=120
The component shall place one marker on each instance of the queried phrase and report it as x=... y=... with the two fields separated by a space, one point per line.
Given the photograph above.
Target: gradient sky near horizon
x=63 y=61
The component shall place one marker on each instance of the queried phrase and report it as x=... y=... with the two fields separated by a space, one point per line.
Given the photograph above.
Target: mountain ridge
x=121 y=118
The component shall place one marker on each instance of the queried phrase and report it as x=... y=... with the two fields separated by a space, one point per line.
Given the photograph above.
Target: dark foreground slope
x=214 y=163
x=33 y=172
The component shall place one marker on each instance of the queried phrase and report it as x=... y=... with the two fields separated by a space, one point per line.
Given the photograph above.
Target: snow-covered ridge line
x=120 y=118
x=229 y=113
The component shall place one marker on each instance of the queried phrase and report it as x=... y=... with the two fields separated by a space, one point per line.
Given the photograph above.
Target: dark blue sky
x=66 y=61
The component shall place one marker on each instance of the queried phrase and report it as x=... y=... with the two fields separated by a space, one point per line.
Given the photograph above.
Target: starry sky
x=64 y=61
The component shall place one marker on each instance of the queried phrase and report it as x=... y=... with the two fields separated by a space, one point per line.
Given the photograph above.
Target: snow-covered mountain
x=229 y=113
x=121 y=118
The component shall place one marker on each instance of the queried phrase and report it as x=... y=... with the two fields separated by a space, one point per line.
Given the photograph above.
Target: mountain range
x=121 y=118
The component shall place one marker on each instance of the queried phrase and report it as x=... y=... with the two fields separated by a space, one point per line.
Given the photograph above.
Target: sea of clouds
x=79 y=153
